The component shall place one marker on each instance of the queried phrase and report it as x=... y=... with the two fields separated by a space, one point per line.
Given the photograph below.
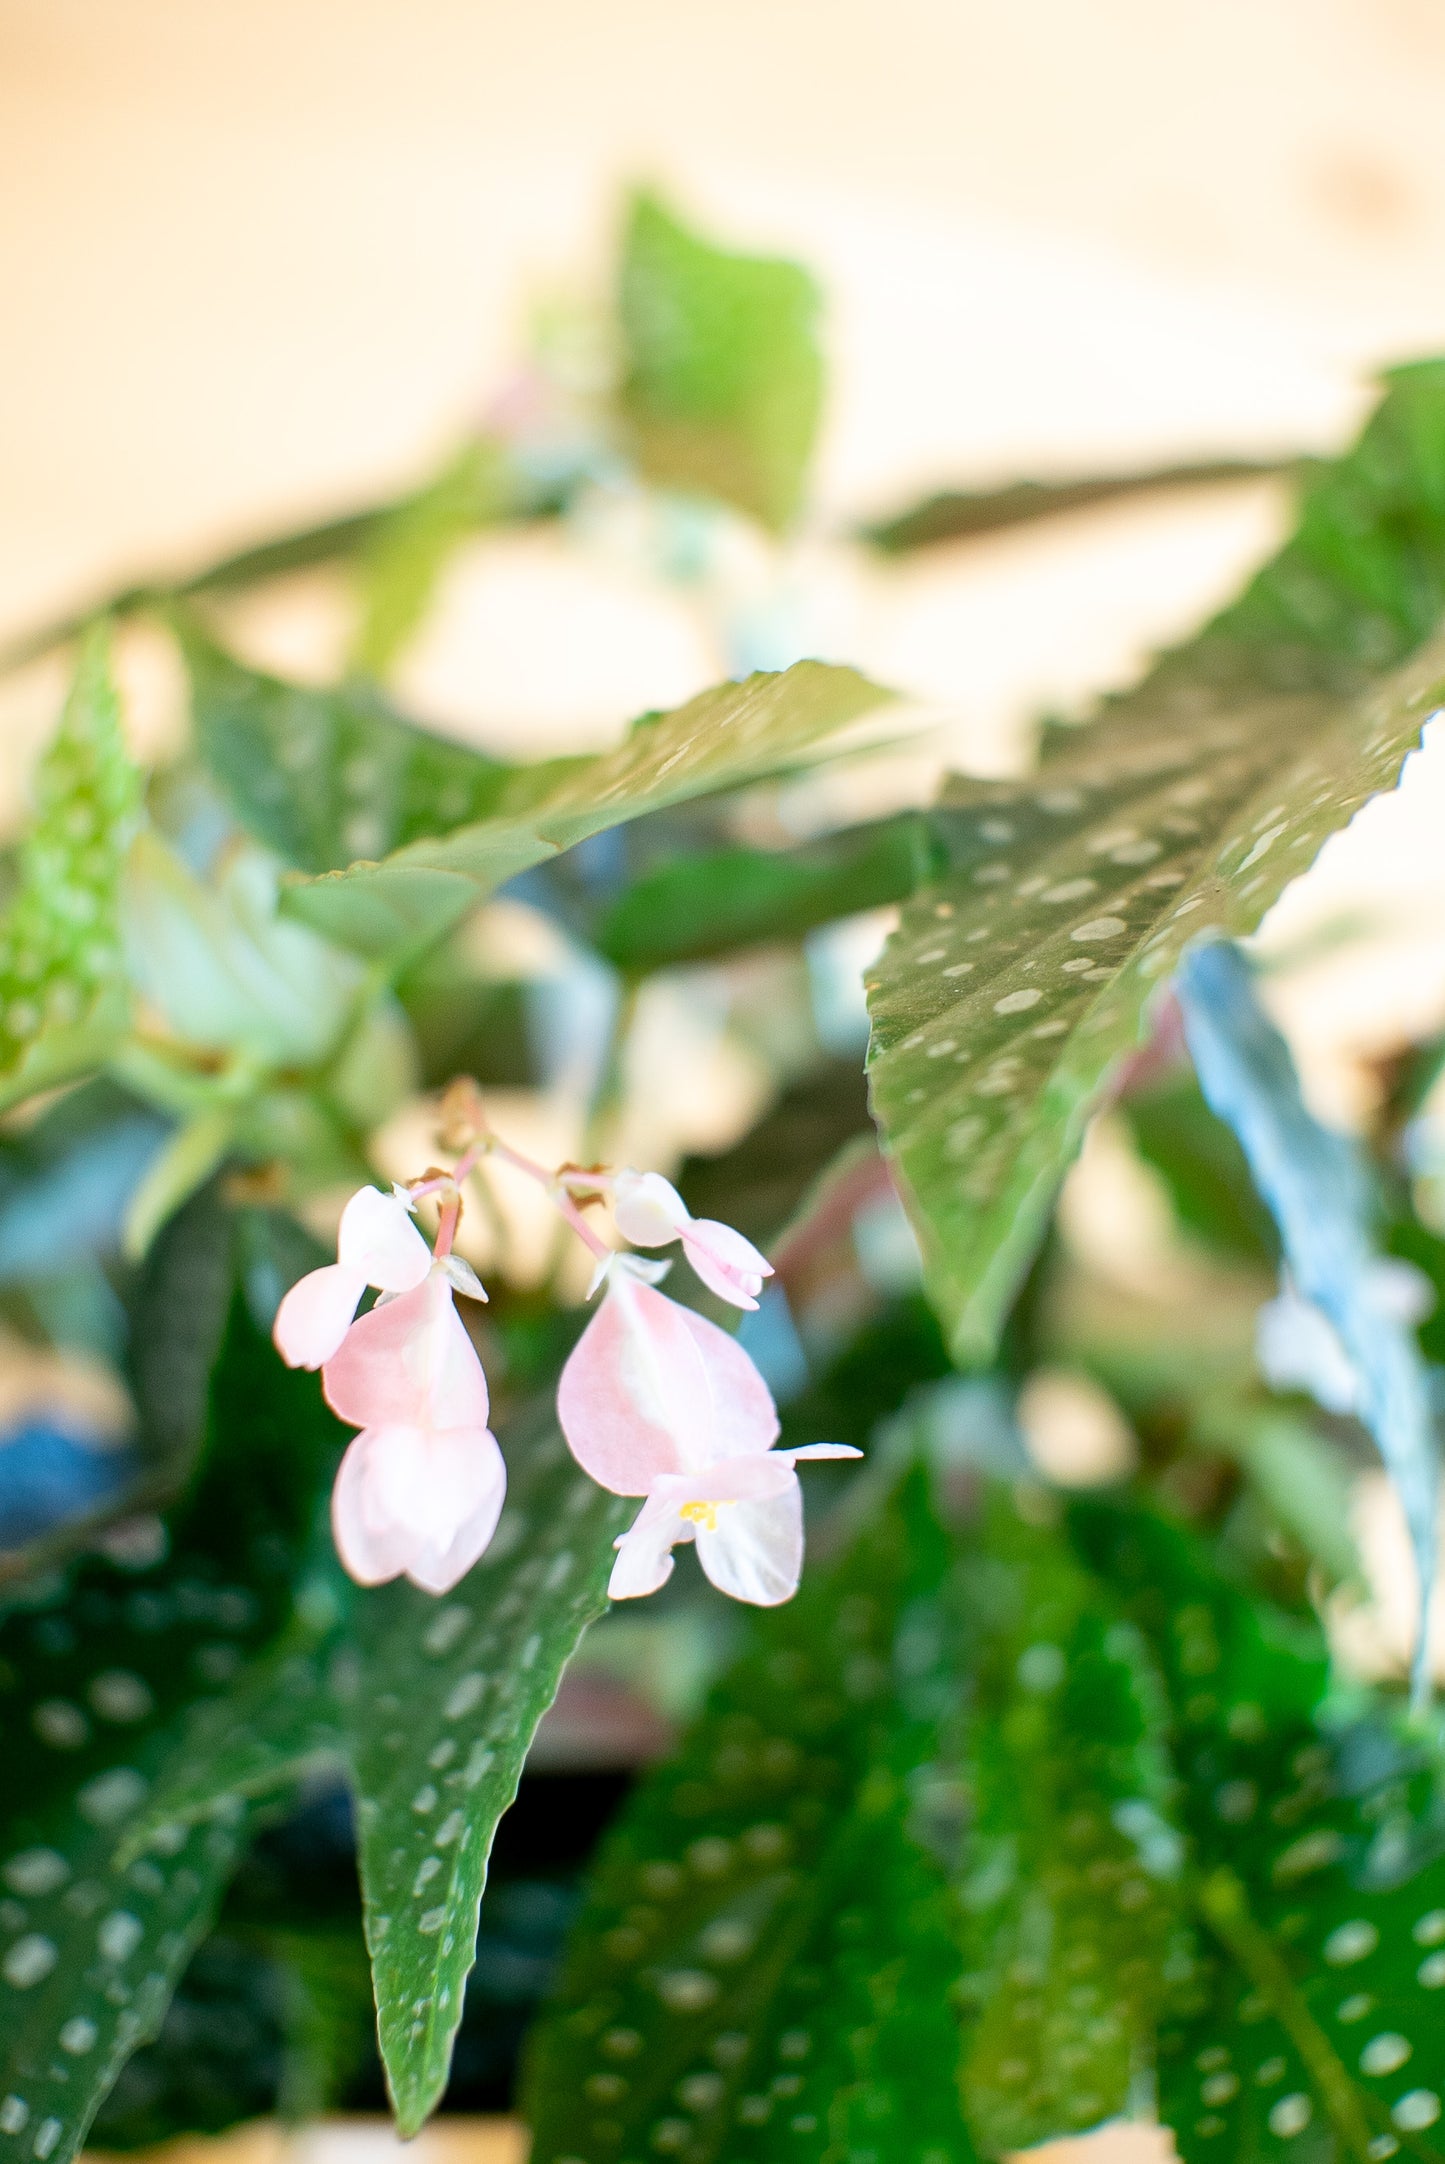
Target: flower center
x=704 y=1514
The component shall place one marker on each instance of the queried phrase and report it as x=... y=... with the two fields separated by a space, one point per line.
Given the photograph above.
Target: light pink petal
x=434 y=1481
x=754 y=1551
x=644 y=1553
x=634 y=1399
x=371 y=1549
x=438 y=1565
x=732 y=1480
x=378 y=1238
x=819 y=1450
x=728 y=1264
x=316 y=1314
x=648 y=1209
x=409 y=1364
x=745 y=1418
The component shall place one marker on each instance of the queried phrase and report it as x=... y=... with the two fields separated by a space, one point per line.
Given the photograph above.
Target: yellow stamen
x=704 y=1514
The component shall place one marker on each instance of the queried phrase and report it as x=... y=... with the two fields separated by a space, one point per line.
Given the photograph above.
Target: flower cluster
x=654 y=1401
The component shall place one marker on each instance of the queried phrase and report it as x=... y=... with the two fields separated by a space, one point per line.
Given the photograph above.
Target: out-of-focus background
x=260 y=261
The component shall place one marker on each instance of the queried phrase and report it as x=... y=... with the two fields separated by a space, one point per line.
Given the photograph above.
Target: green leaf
x=448 y=1698
x=764 y=1965
x=735 y=733
x=95 y=1686
x=323 y=777
x=1016 y=985
x=1304 y=2019
x=60 y=997
x=406 y=552
x=1204 y=1169
x=723 y=388
x=968 y=514
x=1072 y=1877
x=698 y=906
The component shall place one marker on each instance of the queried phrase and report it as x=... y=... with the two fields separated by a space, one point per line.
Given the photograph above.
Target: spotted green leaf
x=323 y=777
x=1303 y=2020
x=723 y=384
x=1015 y=986
x=764 y=1965
x=61 y=997
x=1071 y=1883
x=96 y=1684
x=447 y=1699
x=735 y=733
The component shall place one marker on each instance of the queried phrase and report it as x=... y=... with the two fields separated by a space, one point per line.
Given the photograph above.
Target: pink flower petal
x=433 y=1481
x=728 y=1264
x=753 y=1548
x=648 y=1209
x=371 y=1549
x=409 y=1364
x=316 y=1314
x=438 y=1563
x=378 y=1238
x=644 y=1553
x=634 y=1399
x=745 y=1418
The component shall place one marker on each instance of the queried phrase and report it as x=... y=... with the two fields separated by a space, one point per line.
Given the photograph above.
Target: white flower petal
x=316 y=1314
x=644 y=1553
x=648 y=1209
x=377 y=1237
x=754 y=1551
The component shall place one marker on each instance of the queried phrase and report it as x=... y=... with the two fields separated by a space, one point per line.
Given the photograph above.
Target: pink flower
x=421 y=1487
x=377 y=1245
x=655 y=1401
x=650 y=1213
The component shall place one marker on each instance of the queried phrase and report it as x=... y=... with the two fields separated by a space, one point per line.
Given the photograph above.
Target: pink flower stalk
x=651 y=1213
x=377 y=1245
x=421 y=1488
x=654 y=1401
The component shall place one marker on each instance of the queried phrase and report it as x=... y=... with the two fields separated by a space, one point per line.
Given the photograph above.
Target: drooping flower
x=651 y=1213
x=655 y=1401
x=421 y=1488
x=377 y=1245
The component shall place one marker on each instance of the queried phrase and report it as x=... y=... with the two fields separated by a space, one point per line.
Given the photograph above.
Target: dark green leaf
x=968 y=514
x=95 y=1688
x=764 y=1965
x=1203 y=1168
x=323 y=777
x=696 y=907
x=723 y=387
x=735 y=733
x=1016 y=985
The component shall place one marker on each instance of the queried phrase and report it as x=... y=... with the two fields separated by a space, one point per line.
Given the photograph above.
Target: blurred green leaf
x=763 y=1968
x=61 y=995
x=1204 y=1169
x=699 y=906
x=723 y=384
x=95 y=1686
x=735 y=733
x=406 y=551
x=957 y=514
x=1016 y=986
